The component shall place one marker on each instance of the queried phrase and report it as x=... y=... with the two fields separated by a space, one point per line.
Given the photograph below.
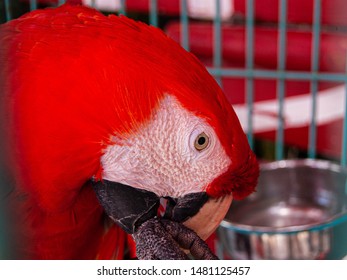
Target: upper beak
x=127 y=206
x=131 y=208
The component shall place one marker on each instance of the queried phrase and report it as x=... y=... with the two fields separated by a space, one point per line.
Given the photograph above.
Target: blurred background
x=282 y=65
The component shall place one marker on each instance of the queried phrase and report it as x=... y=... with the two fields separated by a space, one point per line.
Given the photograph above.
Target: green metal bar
x=279 y=154
x=61 y=2
x=250 y=65
x=314 y=82
x=250 y=101
x=8 y=10
x=273 y=74
x=33 y=5
x=217 y=41
x=184 y=24
x=344 y=135
x=344 y=131
x=153 y=16
x=313 y=125
x=3 y=237
x=122 y=10
x=250 y=34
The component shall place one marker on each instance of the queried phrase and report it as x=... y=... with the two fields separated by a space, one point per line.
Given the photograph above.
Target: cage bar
x=273 y=74
x=249 y=66
x=281 y=81
x=123 y=8
x=184 y=24
x=8 y=14
x=153 y=10
x=314 y=82
x=33 y=5
x=344 y=130
x=217 y=41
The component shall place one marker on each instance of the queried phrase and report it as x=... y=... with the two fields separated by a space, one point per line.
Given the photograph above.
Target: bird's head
x=181 y=165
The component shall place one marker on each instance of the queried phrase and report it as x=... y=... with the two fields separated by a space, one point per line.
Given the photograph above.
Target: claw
x=188 y=239
x=151 y=238
x=156 y=234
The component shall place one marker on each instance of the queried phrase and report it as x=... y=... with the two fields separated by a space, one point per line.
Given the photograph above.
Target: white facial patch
x=162 y=156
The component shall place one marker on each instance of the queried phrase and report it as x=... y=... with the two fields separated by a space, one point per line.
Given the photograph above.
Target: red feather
x=72 y=79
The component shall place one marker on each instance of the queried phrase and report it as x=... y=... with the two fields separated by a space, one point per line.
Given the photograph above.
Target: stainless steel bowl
x=298 y=212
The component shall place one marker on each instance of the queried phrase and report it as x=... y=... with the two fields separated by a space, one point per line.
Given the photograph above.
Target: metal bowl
x=298 y=212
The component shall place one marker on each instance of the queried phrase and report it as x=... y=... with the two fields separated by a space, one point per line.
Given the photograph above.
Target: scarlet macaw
x=108 y=115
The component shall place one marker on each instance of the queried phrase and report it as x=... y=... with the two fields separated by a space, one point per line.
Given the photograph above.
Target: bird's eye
x=201 y=141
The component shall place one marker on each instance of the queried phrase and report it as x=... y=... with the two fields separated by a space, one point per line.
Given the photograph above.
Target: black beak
x=156 y=236
x=130 y=207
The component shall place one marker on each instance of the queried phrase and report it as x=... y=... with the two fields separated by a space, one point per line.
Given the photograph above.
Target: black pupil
x=201 y=140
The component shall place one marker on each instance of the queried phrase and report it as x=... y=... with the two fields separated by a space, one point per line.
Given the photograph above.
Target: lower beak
x=191 y=219
x=209 y=216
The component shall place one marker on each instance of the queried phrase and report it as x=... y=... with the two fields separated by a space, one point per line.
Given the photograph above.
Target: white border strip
x=176 y=270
